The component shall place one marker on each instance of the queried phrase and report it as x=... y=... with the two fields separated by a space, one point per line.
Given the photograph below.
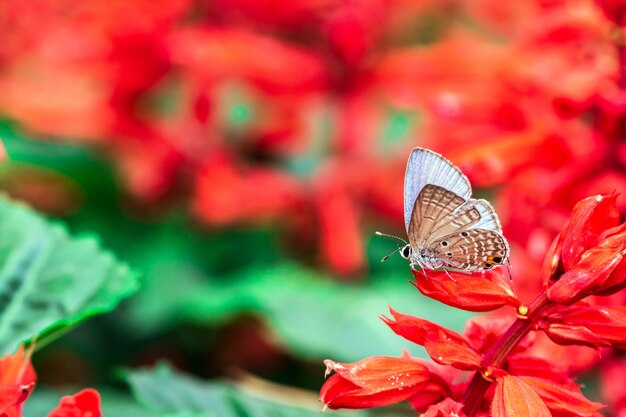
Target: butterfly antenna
x=391 y=236
x=387 y=257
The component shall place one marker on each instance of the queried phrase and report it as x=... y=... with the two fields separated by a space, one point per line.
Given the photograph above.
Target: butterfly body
x=446 y=227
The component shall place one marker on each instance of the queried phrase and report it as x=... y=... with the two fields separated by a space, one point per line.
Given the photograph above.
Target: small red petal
x=524 y=365
x=574 y=335
x=17 y=380
x=445 y=346
x=374 y=381
x=432 y=393
x=381 y=372
x=445 y=351
x=588 y=276
x=515 y=398
x=484 y=331
x=416 y=330
x=12 y=397
x=588 y=325
x=85 y=403
x=562 y=398
x=472 y=292
x=446 y=408
x=589 y=219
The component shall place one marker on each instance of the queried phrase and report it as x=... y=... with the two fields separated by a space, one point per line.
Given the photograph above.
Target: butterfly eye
x=406 y=252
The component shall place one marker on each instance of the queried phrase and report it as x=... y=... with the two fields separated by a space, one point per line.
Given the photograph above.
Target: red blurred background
x=299 y=116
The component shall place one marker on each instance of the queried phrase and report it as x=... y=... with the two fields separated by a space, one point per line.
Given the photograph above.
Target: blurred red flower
x=17 y=380
x=85 y=403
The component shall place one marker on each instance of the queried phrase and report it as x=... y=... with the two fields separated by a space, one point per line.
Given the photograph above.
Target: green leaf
x=313 y=316
x=49 y=281
x=167 y=392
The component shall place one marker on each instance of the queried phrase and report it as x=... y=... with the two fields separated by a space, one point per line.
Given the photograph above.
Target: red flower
x=227 y=193
x=589 y=253
x=85 y=403
x=498 y=350
x=17 y=380
x=589 y=219
x=377 y=381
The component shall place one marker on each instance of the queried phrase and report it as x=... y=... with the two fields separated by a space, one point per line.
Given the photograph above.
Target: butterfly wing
x=434 y=215
x=438 y=212
x=471 y=250
x=427 y=167
x=488 y=217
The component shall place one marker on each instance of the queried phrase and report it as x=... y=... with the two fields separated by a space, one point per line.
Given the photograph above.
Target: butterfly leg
x=508 y=269
x=448 y=274
x=422 y=269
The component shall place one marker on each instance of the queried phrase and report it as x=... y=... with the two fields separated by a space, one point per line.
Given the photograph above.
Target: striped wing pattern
x=434 y=215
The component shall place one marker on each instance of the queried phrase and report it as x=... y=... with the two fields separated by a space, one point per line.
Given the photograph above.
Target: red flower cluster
x=17 y=381
x=503 y=372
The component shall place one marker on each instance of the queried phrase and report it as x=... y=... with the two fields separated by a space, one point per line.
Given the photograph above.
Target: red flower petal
x=563 y=398
x=589 y=219
x=445 y=351
x=17 y=380
x=435 y=391
x=446 y=408
x=515 y=398
x=588 y=325
x=593 y=274
x=445 y=346
x=416 y=330
x=85 y=403
x=484 y=331
x=471 y=292
x=372 y=382
x=524 y=365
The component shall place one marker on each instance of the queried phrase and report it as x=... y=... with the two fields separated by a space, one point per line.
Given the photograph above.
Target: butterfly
x=445 y=226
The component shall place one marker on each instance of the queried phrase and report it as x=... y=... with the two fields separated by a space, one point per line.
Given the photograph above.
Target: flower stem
x=495 y=356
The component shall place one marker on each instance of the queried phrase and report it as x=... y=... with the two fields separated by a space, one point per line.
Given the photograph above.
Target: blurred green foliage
x=198 y=283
